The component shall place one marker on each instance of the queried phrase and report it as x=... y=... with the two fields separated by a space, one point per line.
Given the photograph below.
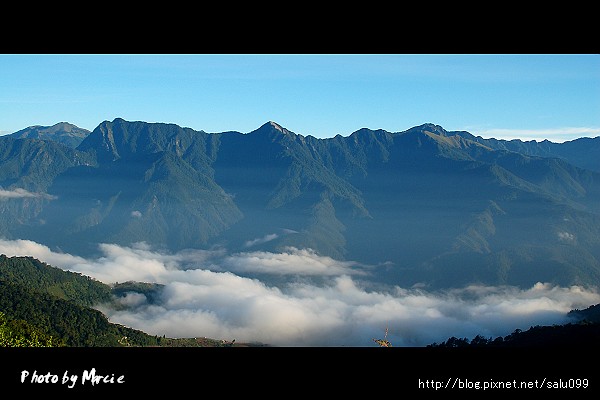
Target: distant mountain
x=62 y=132
x=152 y=182
x=582 y=152
x=423 y=207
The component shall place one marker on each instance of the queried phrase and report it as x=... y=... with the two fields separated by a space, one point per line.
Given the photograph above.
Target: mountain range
x=423 y=207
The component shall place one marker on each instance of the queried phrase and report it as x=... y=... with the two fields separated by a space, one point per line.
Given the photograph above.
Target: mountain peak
x=276 y=126
x=65 y=127
x=62 y=132
x=429 y=127
x=58 y=128
x=273 y=127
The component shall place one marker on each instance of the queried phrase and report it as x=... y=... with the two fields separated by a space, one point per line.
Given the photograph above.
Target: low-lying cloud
x=206 y=294
x=264 y=239
x=292 y=261
x=19 y=193
x=565 y=236
x=268 y=238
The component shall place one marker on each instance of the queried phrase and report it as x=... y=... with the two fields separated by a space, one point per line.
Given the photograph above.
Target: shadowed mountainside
x=420 y=207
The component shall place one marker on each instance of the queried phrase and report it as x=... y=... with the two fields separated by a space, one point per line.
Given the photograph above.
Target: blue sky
x=526 y=96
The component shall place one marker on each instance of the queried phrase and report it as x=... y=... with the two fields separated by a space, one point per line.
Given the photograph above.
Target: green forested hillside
x=41 y=305
x=20 y=333
x=72 y=324
x=40 y=277
x=44 y=306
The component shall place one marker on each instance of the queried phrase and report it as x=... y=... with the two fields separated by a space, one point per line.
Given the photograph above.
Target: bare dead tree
x=383 y=342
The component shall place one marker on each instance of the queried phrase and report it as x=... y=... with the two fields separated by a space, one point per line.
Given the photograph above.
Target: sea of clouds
x=316 y=300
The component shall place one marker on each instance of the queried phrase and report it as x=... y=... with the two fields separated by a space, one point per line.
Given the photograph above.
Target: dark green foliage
x=41 y=277
x=41 y=305
x=58 y=303
x=75 y=324
x=19 y=333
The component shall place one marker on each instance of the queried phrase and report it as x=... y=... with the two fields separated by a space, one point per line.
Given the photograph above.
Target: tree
x=19 y=333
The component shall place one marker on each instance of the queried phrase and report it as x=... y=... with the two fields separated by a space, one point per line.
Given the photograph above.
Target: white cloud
x=133 y=299
x=200 y=300
x=19 y=193
x=565 y=236
x=22 y=248
x=136 y=214
x=269 y=237
x=264 y=239
x=292 y=261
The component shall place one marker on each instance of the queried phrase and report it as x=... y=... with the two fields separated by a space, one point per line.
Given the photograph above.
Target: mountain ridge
x=436 y=206
x=62 y=132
